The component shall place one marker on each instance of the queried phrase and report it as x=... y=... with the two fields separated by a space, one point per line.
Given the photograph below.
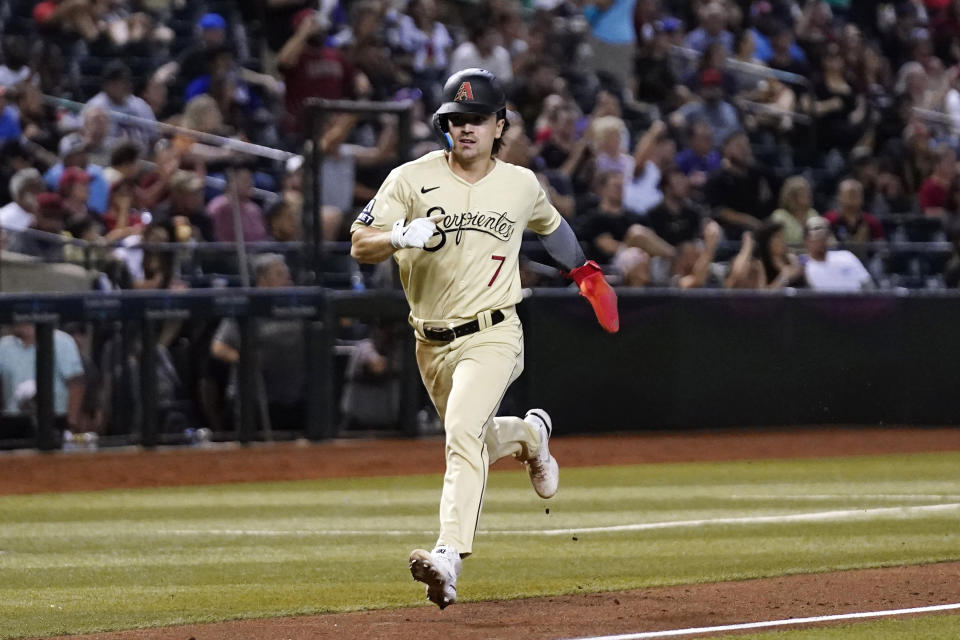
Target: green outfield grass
x=107 y=560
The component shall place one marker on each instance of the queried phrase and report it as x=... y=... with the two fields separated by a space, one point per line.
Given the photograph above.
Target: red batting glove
x=602 y=297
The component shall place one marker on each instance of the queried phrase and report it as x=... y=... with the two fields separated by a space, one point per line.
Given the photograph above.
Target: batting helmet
x=469 y=91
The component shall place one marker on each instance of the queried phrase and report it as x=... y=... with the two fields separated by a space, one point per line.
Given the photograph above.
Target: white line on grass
x=816 y=516
x=774 y=623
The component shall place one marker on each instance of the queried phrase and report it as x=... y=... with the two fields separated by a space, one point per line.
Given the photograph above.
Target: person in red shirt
x=934 y=190
x=313 y=70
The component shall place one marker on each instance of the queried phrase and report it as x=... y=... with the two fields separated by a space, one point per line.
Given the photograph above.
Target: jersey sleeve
x=545 y=218
x=391 y=203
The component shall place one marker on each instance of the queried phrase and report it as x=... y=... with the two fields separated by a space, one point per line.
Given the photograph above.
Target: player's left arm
x=562 y=245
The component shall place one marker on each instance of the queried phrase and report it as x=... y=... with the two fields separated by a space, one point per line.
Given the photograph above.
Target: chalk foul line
x=816 y=516
x=775 y=623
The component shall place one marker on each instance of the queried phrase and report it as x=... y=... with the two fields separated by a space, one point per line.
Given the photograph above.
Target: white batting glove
x=413 y=235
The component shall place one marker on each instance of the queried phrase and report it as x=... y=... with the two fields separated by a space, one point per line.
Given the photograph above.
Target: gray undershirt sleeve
x=563 y=246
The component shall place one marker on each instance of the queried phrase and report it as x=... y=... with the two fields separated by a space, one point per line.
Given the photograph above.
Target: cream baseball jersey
x=471 y=264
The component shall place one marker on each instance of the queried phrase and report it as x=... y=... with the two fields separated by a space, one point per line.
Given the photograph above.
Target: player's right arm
x=382 y=228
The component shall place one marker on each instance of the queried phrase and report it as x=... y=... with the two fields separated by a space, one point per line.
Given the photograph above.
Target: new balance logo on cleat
x=438 y=570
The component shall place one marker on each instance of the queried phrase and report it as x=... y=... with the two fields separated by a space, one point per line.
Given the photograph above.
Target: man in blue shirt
x=612 y=37
x=18 y=367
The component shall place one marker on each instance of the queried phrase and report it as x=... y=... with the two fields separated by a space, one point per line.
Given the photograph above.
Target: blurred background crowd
x=748 y=144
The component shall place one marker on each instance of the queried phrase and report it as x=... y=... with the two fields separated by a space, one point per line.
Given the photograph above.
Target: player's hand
x=602 y=297
x=415 y=234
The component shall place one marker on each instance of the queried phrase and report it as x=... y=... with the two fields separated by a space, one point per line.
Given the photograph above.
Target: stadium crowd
x=691 y=143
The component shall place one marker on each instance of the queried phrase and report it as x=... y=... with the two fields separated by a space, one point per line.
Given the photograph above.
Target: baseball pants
x=466 y=380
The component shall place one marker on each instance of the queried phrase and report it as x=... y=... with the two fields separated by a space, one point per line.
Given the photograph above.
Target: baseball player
x=453 y=220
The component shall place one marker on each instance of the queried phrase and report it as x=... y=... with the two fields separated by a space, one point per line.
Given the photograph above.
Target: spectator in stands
x=281 y=351
x=607 y=135
x=92 y=136
x=612 y=38
x=781 y=267
x=834 y=270
x=124 y=162
x=238 y=194
x=517 y=149
x=292 y=195
x=740 y=192
x=841 y=112
x=74 y=189
x=609 y=230
x=423 y=44
x=312 y=70
x=691 y=265
x=185 y=206
x=9 y=119
x=371 y=392
x=716 y=112
x=122 y=218
x=73 y=153
x=746 y=272
x=14 y=157
x=796 y=207
x=712 y=28
x=849 y=222
x=935 y=189
x=19 y=214
x=18 y=386
x=38 y=120
x=865 y=169
x=50 y=219
x=676 y=219
x=700 y=158
x=653 y=154
x=654 y=79
x=482 y=49
x=283 y=223
x=15 y=66
x=192 y=62
x=117 y=96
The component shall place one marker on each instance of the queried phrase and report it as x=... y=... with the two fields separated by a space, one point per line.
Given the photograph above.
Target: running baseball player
x=453 y=220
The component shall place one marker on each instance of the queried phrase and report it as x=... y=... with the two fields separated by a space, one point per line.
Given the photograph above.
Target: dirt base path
x=555 y=617
x=598 y=614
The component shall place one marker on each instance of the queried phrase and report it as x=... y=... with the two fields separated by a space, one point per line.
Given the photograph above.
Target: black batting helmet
x=471 y=91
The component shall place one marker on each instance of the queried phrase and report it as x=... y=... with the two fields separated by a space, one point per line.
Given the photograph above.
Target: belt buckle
x=440 y=334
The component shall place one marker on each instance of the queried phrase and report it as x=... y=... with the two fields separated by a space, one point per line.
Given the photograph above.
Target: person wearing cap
x=73 y=153
x=74 y=188
x=831 y=270
x=720 y=115
x=24 y=187
x=310 y=69
x=50 y=219
x=117 y=96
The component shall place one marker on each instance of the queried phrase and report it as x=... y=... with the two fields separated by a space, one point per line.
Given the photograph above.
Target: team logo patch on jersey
x=366 y=216
x=465 y=92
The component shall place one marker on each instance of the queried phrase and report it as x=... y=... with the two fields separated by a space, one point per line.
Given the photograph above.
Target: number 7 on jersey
x=501 y=260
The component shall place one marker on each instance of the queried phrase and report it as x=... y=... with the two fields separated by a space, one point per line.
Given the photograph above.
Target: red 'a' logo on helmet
x=464 y=92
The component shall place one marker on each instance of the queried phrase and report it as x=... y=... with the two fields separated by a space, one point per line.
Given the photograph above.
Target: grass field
x=84 y=562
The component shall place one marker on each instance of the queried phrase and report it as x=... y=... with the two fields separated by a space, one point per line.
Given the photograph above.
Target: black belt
x=465 y=329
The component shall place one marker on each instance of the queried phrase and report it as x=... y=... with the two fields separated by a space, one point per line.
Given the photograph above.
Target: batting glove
x=413 y=235
x=602 y=297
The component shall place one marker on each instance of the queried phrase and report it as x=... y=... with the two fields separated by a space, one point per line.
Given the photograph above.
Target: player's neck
x=472 y=171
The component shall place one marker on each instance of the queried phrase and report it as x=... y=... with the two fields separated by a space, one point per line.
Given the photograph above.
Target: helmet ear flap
x=440 y=127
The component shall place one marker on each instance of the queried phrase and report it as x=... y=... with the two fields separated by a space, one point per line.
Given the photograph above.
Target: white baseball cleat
x=543 y=468
x=439 y=570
